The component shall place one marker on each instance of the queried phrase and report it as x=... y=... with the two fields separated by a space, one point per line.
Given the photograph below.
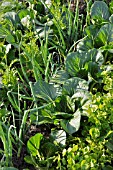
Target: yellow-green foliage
x=94 y=148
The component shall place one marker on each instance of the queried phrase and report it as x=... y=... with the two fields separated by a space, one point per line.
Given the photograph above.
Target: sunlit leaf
x=45 y=91
x=33 y=143
x=23 y=13
x=71 y=126
x=77 y=64
x=100 y=11
x=4 y=32
x=12 y=16
x=111 y=18
x=105 y=35
x=59 y=136
x=85 y=44
x=60 y=77
x=73 y=84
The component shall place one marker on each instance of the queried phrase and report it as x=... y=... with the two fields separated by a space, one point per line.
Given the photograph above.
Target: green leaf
x=45 y=91
x=99 y=12
x=39 y=8
x=33 y=144
x=60 y=115
x=29 y=160
x=111 y=7
x=93 y=69
x=85 y=44
x=71 y=126
x=95 y=55
x=63 y=105
x=23 y=13
x=107 y=48
x=49 y=149
x=73 y=63
x=105 y=35
x=4 y=32
x=60 y=77
x=91 y=31
x=82 y=96
x=73 y=84
x=59 y=136
x=12 y=16
x=10 y=39
x=111 y=18
x=77 y=64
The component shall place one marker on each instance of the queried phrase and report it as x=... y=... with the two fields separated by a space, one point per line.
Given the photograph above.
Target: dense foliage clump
x=56 y=85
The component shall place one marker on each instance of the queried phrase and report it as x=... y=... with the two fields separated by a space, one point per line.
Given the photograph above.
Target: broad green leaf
x=99 y=12
x=73 y=84
x=71 y=126
x=4 y=32
x=12 y=16
x=77 y=64
x=73 y=63
x=63 y=105
x=29 y=160
x=91 y=31
x=40 y=8
x=23 y=13
x=59 y=136
x=60 y=77
x=45 y=91
x=105 y=35
x=82 y=96
x=45 y=116
x=93 y=69
x=33 y=144
x=95 y=55
x=31 y=1
x=82 y=99
x=10 y=39
x=85 y=44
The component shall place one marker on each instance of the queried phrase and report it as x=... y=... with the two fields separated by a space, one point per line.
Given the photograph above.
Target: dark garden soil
x=19 y=162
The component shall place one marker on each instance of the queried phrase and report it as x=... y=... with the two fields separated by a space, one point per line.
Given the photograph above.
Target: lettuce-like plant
x=93 y=147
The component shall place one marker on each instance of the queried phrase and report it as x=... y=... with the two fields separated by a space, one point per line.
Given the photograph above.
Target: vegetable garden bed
x=56 y=85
